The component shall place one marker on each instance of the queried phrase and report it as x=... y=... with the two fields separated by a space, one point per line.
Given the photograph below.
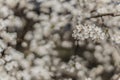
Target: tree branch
x=104 y=14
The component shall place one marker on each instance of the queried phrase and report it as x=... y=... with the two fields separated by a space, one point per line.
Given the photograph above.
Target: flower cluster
x=83 y=32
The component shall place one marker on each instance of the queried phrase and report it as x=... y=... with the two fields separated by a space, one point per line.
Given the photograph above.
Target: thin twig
x=105 y=14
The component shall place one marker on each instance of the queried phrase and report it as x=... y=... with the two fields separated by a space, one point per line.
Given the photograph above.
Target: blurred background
x=37 y=40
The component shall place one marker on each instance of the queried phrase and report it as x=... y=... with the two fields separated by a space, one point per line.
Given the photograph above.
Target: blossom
x=83 y=32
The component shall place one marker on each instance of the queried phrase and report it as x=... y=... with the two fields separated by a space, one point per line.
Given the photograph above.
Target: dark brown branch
x=102 y=15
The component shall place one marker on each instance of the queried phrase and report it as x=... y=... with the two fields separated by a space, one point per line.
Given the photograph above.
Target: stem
x=104 y=14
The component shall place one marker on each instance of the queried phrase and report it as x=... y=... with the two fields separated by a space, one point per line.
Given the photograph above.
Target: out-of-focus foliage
x=59 y=39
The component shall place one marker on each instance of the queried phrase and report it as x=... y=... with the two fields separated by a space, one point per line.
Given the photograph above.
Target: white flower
x=2 y=61
x=92 y=32
x=116 y=38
